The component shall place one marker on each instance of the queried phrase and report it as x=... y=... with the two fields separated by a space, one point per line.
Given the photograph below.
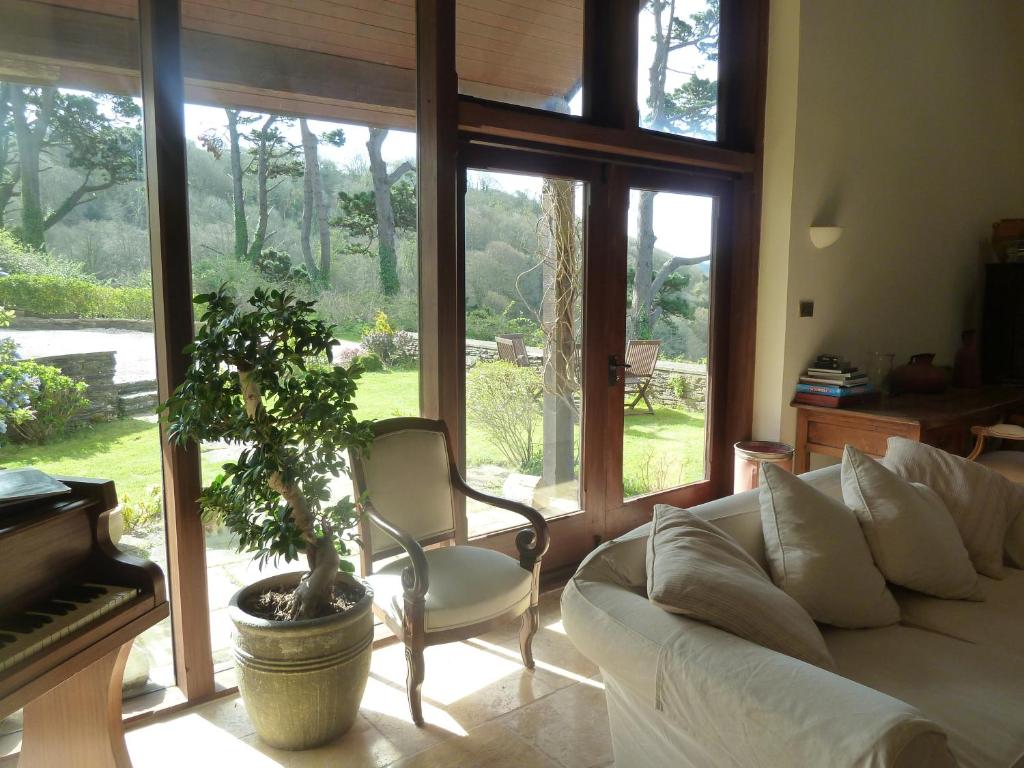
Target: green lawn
x=660 y=451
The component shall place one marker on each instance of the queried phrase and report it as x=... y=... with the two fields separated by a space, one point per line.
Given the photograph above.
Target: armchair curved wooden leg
x=414 y=680
x=531 y=621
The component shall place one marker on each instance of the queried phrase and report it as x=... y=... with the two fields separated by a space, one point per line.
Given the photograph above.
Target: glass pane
x=524 y=271
x=309 y=184
x=667 y=328
x=677 y=73
x=75 y=269
x=524 y=52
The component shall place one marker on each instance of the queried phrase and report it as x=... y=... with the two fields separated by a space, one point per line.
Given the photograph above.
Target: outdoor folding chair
x=642 y=357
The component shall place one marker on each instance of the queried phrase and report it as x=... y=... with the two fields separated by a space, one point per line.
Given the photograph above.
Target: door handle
x=613 y=370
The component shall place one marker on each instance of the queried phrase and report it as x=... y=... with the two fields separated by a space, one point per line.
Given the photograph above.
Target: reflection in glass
x=677 y=76
x=524 y=269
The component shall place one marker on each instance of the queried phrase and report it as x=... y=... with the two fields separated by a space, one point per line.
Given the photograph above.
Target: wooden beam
x=442 y=313
x=86 y=43
x=167 y=183
x=487 y=121
x=610 y=45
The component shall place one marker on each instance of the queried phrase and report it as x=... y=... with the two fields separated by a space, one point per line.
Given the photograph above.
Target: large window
x=299 y=131
x=677 y=72
x=524 y=327
x=77 y=355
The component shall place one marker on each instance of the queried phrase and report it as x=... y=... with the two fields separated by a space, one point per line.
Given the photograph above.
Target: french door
x=573 y=269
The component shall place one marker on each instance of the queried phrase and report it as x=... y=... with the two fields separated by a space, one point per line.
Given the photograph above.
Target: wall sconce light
x=823 y=237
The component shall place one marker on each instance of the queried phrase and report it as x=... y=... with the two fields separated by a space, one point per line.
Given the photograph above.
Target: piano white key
x=28 y=644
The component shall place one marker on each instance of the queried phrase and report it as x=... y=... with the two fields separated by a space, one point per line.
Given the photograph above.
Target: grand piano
x=71 y=604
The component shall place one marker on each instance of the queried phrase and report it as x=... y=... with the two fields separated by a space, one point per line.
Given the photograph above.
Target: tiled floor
x=482 y=709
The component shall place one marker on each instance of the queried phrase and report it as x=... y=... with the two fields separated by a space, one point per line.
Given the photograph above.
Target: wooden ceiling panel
x=531 y=49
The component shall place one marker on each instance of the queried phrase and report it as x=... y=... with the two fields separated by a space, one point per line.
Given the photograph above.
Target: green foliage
x=385 y=343
x=484 y=324
x=17 y=388
x=502 y=399
x=52 y=296
x=143 y=513
x=54 y=400
x=276 y=266
x=369 y=362
x=357 y=211
x=18 y=258
x=250 y=385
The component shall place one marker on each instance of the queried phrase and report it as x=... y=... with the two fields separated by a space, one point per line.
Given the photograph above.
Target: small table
x=942 y=420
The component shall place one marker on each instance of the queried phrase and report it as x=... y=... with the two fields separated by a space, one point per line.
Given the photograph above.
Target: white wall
x=904 y=125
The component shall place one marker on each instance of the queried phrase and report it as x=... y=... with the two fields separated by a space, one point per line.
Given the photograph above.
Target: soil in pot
x=277 y=605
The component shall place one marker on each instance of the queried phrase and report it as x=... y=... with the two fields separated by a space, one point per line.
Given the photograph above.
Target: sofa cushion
x=910 y=532
x=972 y=692
x=818 y=555
x=696 y=570
x=996 y=623
x=982 y=502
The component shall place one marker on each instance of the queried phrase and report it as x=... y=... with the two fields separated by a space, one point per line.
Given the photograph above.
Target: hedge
x=51 y=296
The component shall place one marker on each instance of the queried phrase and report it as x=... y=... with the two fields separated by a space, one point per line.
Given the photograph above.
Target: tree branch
x=671 y=266
x=399 y=172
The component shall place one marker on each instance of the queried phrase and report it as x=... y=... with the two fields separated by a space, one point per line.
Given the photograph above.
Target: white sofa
x=945 y=687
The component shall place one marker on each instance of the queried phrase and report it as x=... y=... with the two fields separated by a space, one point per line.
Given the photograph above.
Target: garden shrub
x=390 y=346
x=52 y=296
x=54 y=398
x=484 y=324
x=277 y=266
x=502 y=399
x=16 y=389
x=17 y=258
x=369 y=362
x=143 y=513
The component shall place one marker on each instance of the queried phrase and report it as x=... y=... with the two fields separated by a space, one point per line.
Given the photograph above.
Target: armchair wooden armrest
x=1001 y=431
x=532 y=542
x=416 y=575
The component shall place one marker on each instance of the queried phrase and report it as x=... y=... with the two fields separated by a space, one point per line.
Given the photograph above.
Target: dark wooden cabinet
x=1002 y=330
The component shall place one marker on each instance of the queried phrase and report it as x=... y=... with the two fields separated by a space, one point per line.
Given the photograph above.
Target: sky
x=682 y=223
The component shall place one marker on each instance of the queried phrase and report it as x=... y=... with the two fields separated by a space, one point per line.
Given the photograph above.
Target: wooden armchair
x=450 y=591
x=1010 y=464
x=641 y=359
x=512 y=349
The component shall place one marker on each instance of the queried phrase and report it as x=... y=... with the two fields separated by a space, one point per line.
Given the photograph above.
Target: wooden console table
x=941 y=420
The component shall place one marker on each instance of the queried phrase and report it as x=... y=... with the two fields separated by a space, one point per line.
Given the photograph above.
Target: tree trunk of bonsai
x=316 y=590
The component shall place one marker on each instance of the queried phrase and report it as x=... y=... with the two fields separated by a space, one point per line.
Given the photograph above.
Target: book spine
x=833 y=390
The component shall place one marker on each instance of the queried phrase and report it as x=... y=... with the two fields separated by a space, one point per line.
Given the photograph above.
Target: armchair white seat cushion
x=466 y=585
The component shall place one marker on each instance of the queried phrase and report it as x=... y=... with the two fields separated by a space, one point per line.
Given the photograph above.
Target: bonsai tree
x=261 y=378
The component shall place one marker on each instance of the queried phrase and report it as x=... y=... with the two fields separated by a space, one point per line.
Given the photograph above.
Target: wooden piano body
x=71 y=689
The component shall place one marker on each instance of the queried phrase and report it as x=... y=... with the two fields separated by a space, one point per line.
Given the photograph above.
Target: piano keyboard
x=69 y=609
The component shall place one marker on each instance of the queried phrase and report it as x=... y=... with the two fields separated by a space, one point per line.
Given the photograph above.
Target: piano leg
x=78 y=723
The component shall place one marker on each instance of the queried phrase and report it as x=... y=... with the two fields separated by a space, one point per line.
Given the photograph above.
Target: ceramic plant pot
x=919 y=376
x=302 y=681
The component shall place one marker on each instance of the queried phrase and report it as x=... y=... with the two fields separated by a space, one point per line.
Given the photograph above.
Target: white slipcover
x=683 y=693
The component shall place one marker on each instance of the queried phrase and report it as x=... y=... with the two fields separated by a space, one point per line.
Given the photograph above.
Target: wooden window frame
x=608 y=130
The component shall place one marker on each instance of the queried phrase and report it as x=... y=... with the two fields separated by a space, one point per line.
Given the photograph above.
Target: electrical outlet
x=806 y=309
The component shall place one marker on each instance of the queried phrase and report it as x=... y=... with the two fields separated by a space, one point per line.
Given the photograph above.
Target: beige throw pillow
x=818 y=555
x=983 y=503
x=910 y=532
x=697 y=570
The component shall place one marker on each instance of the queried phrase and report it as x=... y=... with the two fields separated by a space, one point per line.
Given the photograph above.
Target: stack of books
x=832 y=383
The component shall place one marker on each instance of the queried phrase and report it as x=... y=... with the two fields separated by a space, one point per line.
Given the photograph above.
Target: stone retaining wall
x=24 y=322
x=97 y=370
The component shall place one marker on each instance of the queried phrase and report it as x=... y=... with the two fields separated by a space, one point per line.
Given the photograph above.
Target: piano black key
x=54 y=607
x=79 y=593
x=24 y=623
